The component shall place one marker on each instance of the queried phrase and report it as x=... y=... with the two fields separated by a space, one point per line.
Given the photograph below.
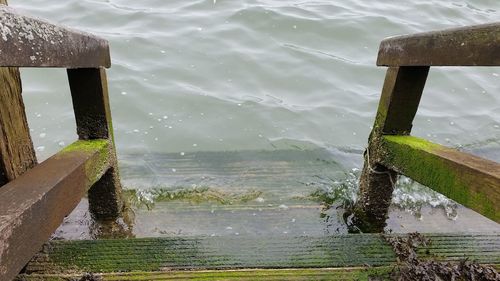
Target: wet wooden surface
x=401 y=93
x=467 y=179
x=89 y=93
x=17 y=154
x=34 y=205
x=334 y=274
x=262 y=193
x=32 y=42
x=466 y=46
x=229 y=253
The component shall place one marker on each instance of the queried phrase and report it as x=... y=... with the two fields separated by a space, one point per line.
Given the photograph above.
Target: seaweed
x=410 y=267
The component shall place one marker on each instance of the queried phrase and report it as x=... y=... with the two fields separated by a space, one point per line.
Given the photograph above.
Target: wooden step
x=162 y=258
x=340 y=274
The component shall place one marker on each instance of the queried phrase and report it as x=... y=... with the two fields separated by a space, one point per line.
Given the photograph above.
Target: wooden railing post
x=89 y=92
x=16 y=148
x=398 y=105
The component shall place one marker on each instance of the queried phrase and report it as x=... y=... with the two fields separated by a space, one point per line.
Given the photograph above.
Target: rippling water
x=221 y=75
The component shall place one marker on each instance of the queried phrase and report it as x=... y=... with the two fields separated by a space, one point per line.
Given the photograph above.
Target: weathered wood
x=398 y=105
x=26 y=41
x=466 y=46
x=471 y=181
x=17 y=154
x=89 y=91
x=16 y=148
x=333 y=274
x=34 y=205
x=401 y=93
x=237 y=252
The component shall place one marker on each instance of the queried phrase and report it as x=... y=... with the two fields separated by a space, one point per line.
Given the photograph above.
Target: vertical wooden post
x=89 y=92
x=17 y=154
x=401 y=93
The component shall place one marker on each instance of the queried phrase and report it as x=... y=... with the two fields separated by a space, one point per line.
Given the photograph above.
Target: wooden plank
x=467 y=179
x=403 y=87
x=34 y=205
x=17 y=154
x=89 y=91
x=154 y=254
x=237 y=252
x=466 y=46
x=27 y=41
x=340 y=274
x=401 y=93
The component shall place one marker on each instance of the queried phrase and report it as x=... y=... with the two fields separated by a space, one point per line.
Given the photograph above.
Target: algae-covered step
x=347 y=257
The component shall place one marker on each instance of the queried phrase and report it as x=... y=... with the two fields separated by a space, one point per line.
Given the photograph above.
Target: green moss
x=85 y=146
x=358 y=274
x=414 y=142
x=106 y=255
x=196 y=195
x=420 y=160
x=98 y=150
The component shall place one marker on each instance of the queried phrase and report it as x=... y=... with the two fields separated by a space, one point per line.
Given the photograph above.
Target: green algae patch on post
x=467 y=179
x=85 y=145
x=99 y=150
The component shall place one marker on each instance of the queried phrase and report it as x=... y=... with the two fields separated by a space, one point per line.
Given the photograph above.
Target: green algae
x=419 y=160
x=354 y=274
x=197 y=195
x=85 y=146
x=98 y=149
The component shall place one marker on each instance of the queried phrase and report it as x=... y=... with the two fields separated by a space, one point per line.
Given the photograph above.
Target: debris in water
x=410 y=267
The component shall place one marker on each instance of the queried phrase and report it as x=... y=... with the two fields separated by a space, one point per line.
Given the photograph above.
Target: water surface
x=222 y=77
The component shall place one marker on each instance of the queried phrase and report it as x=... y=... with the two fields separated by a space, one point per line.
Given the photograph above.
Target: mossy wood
x=466 y=46
x=403 y=87
x=17 y=154
x=31 y=42
x=471 y=181
x=34 y=205
x=467 y=179
x=333 y=274
x=368 y=254
x=89 y=92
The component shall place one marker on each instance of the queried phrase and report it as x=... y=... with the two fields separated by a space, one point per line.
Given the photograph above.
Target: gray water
x=219 y=76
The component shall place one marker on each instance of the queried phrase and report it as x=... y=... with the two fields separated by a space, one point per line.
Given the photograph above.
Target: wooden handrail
x=26 y=41
x=469 y=180
x=466 y=46
x=34 y=199
x=35 y=204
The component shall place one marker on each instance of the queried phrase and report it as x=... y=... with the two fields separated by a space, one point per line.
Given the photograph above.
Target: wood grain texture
x=467 y=179
x=466 y=46
x=89 y=92
x=325 y=274
x=401 y=93
x=17 y=154
x=34 y=205
x=240 y=252
x=32 y=42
